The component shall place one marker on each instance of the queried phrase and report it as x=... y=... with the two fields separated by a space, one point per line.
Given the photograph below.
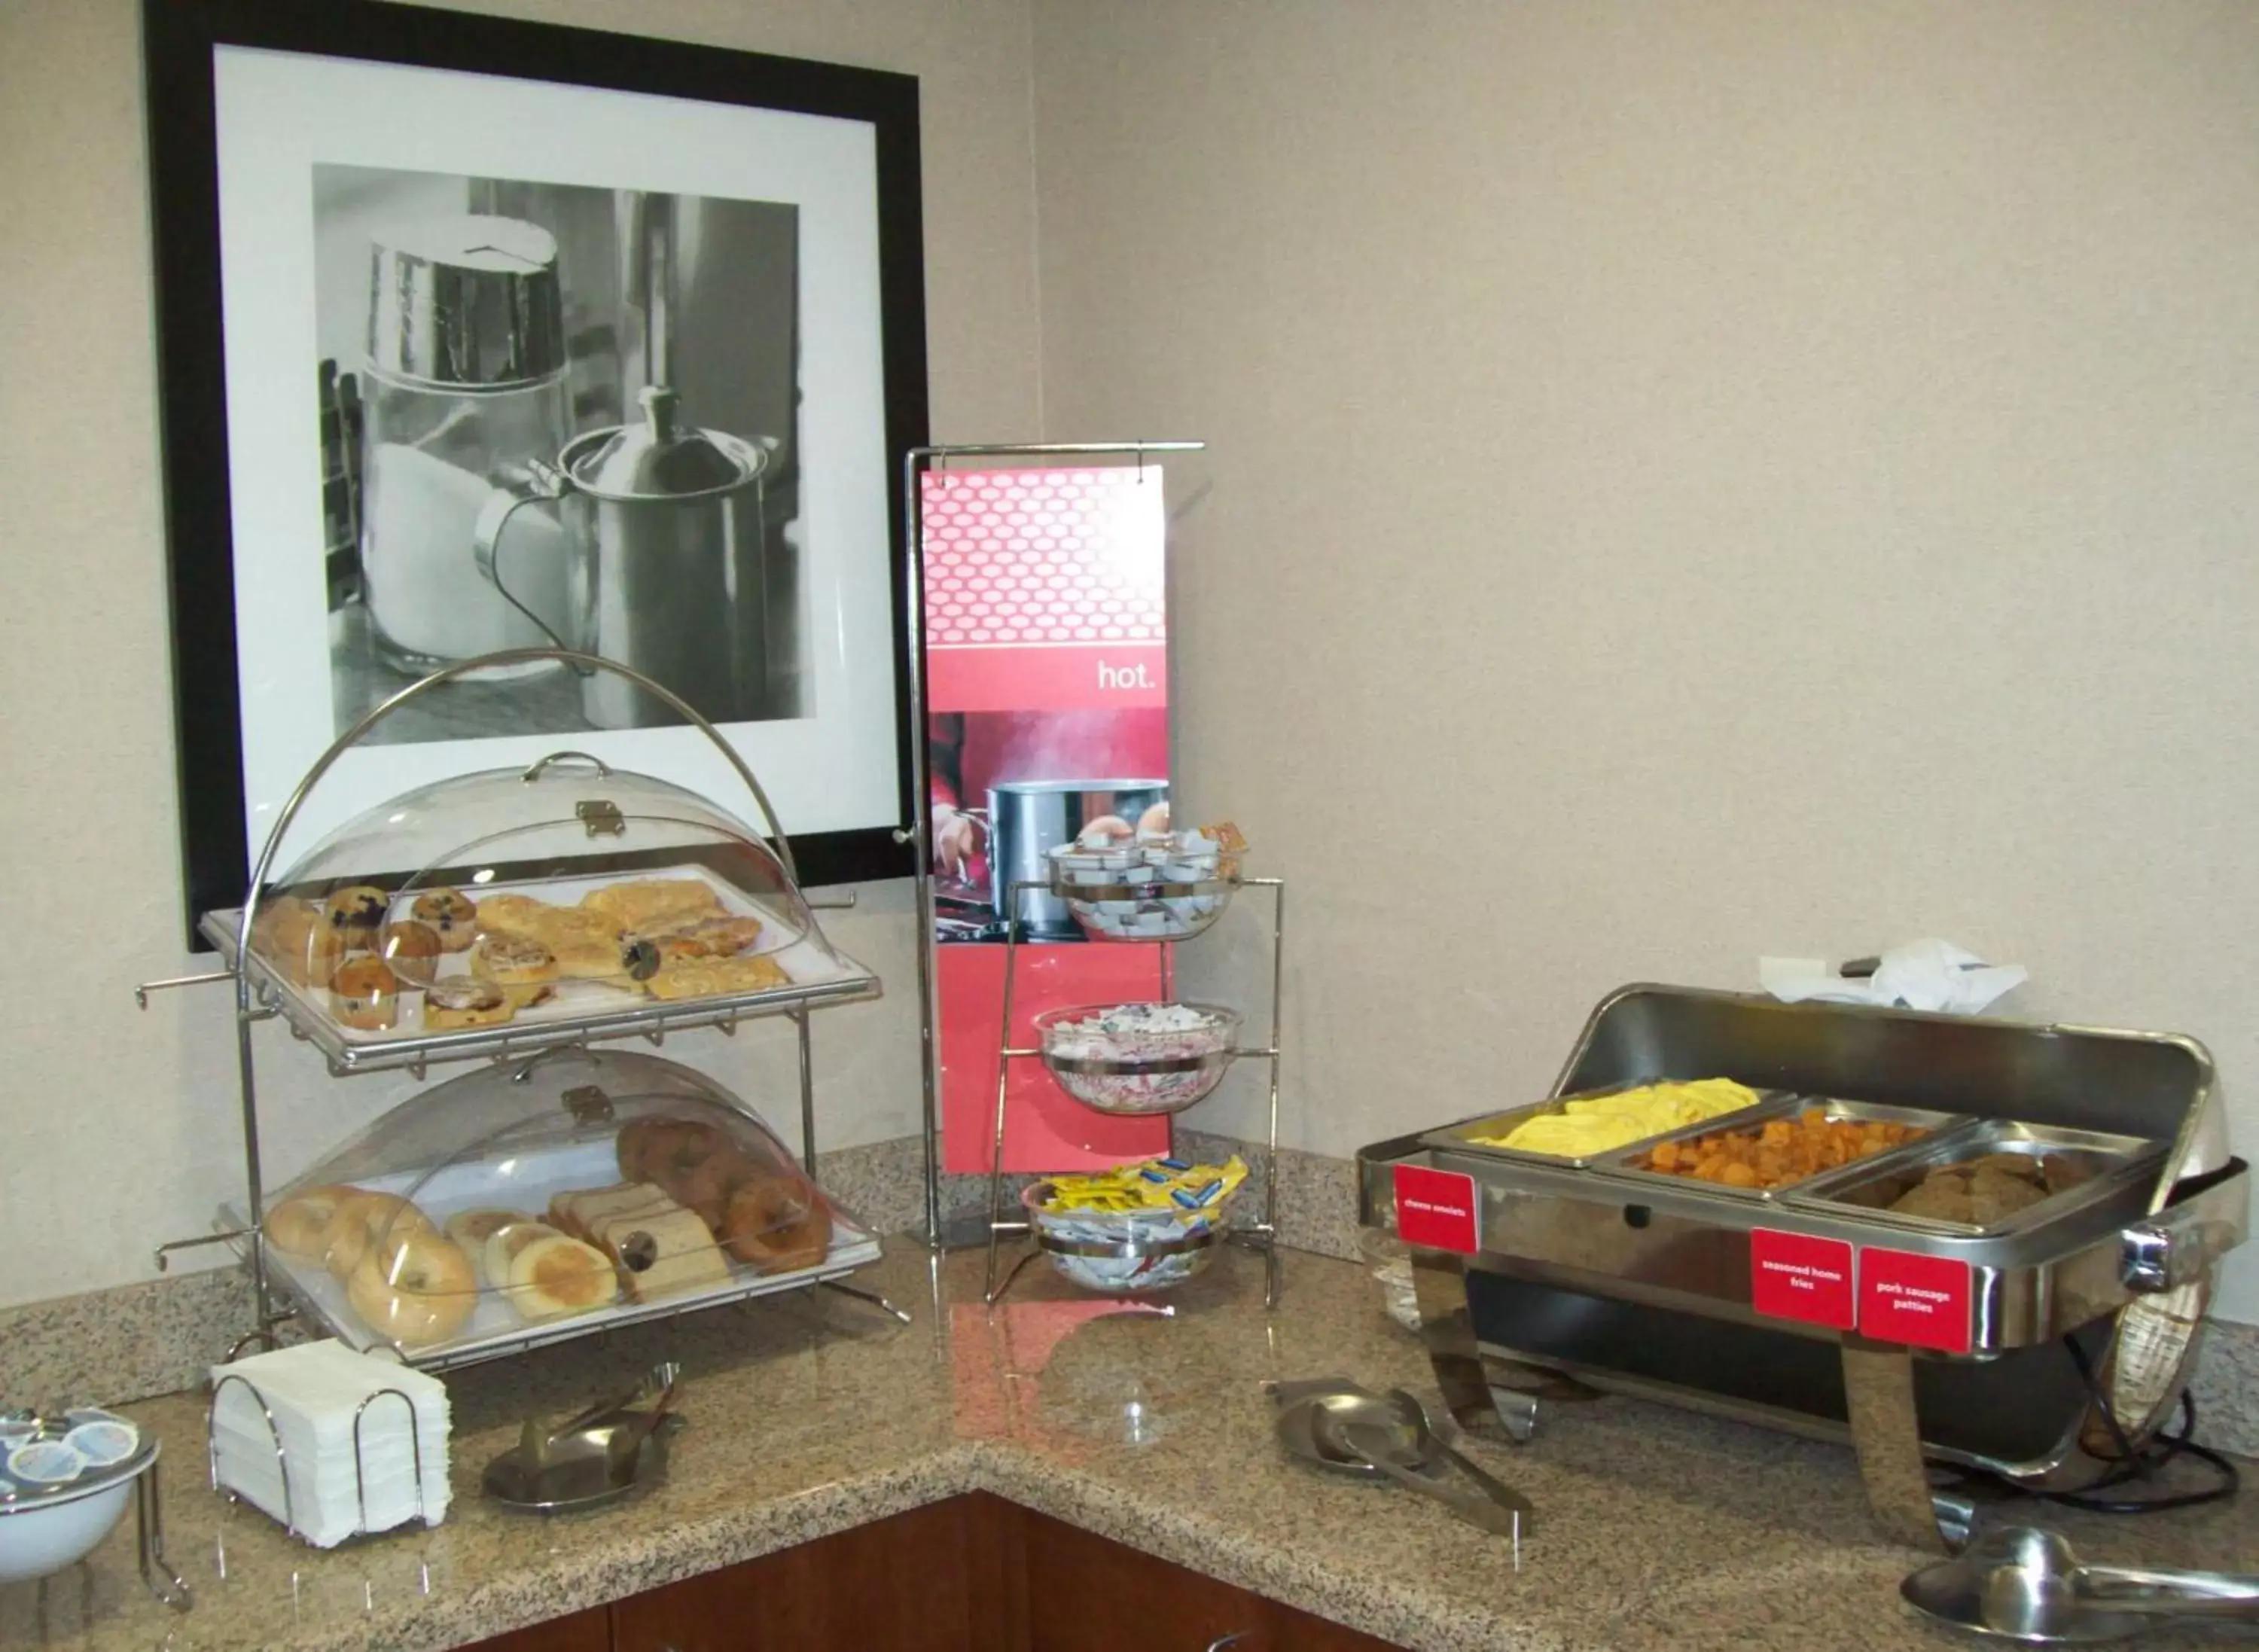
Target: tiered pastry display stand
x=1263 y=1234
x=260 y=994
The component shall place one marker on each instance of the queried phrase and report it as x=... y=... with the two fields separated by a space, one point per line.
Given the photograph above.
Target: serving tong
x=601 y=1453
x=2026 y=1584
x=1338 y=1425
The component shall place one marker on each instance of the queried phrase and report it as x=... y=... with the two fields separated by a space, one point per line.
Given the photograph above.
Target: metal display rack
x=1263 y=1234
x=261 y=996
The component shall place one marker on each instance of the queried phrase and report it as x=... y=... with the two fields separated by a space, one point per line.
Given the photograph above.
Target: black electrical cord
x=2145 y=1464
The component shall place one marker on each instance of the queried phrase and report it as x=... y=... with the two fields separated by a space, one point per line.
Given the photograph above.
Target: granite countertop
x=811 y=1413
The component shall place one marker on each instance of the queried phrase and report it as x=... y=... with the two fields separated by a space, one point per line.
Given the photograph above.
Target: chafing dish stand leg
x=1440 y=1281
x=1886 y=1433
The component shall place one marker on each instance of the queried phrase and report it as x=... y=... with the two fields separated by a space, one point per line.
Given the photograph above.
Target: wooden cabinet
x=1293 y=1631
x=925 y=1581
x=1085 y=1594
x=590 y=1631
x=975 y=1574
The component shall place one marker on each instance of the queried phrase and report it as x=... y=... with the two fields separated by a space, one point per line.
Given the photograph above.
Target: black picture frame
x=181 y=37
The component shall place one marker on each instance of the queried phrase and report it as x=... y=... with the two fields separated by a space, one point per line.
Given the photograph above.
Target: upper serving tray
x=581 y=1013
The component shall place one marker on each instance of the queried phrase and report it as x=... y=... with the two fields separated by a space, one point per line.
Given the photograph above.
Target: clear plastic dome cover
x=548 y=1197
x=524 y=897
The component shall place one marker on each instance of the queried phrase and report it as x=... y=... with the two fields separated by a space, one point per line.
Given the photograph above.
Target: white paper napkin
x=337 y=1486
x=1929 y=974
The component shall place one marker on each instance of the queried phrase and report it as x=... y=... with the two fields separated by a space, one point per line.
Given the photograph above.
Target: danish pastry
x=366 y=993
x=464 y=1000
x=554 y=924
x=707 y=937
x=524 y=968
x=654 y=902
x=586 y=958
x=710 y=976
x=453 y=915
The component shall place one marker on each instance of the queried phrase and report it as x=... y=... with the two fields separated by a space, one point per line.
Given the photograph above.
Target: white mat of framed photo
x=283 y=114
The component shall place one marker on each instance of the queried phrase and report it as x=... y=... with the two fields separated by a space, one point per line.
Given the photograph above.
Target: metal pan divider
x=1904 y=1155
x=1625 y=1160
x=1630 y=1163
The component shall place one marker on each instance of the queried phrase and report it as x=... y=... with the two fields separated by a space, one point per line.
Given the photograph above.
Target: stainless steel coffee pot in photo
x=664 y=555
x=463 y=387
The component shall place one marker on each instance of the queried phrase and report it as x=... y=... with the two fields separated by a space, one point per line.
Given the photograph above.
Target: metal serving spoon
x=2024 y=1584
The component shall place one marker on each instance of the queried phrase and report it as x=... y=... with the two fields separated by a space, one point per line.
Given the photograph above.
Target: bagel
x=472 y=1228
x=559 y=1275
x=299 y=1225
x=502 y=1248
x=414 y=1288
x=360 y=1219
x=635 y=1136
x=776 y=1224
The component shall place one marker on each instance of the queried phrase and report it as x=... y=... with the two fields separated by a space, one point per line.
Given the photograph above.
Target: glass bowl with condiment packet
x=1139 y=1058
x=1166 y=887
x=1138 y=1229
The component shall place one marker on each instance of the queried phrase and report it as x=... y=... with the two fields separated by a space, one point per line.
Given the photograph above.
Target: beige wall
x=1688 y=481
x=118 y=1128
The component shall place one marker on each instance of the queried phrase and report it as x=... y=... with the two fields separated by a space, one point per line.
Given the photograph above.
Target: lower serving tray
x=495 y=1330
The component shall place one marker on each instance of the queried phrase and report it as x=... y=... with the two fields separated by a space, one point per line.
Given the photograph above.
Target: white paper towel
x=1929 y=974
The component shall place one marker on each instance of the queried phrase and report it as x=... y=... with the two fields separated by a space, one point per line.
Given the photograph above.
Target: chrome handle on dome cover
x=533 y=772
x=1223 y=1641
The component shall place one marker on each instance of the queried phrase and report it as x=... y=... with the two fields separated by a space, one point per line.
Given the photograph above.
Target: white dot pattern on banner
x=1027 y=555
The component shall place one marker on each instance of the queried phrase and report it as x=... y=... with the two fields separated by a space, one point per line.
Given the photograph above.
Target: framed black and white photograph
x=478 y=335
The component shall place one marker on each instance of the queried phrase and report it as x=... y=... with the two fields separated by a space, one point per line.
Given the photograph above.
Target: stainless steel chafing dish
x=2038 y=1346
